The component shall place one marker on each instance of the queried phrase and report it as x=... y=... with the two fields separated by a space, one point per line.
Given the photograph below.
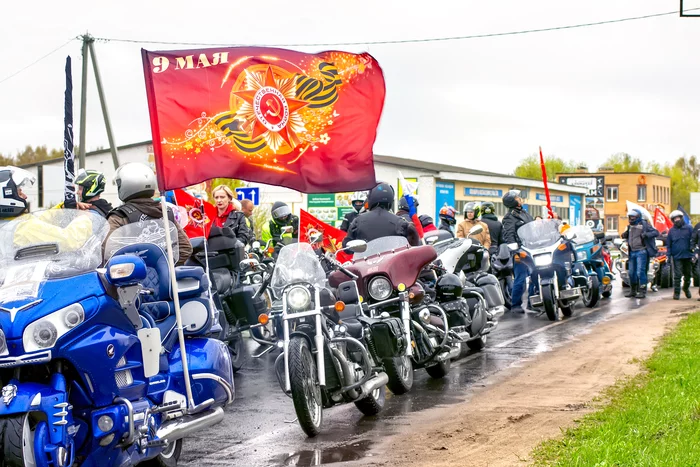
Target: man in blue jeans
x=512 y=221
x=641 y=241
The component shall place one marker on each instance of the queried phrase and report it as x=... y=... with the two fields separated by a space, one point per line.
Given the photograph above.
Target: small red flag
x=332 y=237
x=274 y=116
x=661 y=222
x=200 y=214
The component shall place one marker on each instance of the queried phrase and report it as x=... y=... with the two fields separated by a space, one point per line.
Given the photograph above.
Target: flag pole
x=176 y=302
x=546 y=187
x=68 y=154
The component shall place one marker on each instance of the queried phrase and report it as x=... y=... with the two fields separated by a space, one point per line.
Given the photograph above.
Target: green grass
x=652 y=419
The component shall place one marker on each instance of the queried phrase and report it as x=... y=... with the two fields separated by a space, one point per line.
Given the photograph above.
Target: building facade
x=437 y=185
x=608 y=193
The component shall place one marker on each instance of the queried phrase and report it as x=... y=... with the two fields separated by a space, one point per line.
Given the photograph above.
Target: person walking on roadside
x=679 y=247
x=641 y=240
x=512 y=221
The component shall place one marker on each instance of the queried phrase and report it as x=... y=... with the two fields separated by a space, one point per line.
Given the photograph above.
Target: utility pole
x=89 y=50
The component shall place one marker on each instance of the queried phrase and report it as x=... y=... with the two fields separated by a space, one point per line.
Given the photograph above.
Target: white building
x=438 y=184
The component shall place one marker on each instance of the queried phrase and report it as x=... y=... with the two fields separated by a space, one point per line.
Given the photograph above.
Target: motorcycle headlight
x=544 y=259
x=3 y=344
x=581 y=255
x=257 y=279
x=298 y=298
x=380 y=288
x=43 y=333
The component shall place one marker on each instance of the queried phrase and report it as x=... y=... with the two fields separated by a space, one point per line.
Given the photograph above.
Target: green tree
x=623 y=162
x=530 y=167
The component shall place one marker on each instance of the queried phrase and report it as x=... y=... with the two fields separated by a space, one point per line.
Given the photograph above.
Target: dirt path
x=505 y=420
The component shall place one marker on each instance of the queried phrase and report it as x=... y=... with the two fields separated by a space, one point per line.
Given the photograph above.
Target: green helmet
x=93 y=183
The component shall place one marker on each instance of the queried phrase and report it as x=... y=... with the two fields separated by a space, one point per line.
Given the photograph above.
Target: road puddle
x=331 y=455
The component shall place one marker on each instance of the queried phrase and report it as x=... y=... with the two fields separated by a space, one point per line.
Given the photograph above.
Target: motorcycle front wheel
x=507 y=285
x=440 y=370
x=592 y=293
x=306 y=392
x=17 y=441
x=167 y=458
x=373 y=403
x=400 y=373
x=550 y=304
x=236 y=348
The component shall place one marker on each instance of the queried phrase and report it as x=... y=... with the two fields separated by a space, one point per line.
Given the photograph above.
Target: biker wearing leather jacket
x=379 y=222
x=488 y=217
x=516 y=218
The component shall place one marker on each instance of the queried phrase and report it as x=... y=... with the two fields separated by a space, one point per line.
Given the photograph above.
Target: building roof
x=510 y=180
x=87 y=154
x=431 y=166
x=586 y=174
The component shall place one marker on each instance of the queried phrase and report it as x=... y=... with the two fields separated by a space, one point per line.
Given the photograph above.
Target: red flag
x=274 y=116
x=200 y=214
x=546 y=187
x=661 y=222
x=332 y=237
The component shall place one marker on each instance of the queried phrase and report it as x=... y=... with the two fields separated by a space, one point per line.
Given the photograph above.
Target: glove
x=411 y=205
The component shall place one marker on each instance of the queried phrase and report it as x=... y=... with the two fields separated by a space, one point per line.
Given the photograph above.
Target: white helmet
x=675 y=214
x=13 y=201
x=135 y=180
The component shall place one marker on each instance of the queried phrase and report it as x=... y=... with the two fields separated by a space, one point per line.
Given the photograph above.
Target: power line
x=36 y=61
x=404 y=41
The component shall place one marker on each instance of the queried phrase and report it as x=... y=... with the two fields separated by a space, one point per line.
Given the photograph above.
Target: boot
x=677 y=294
x=642 y=293
x=687 y=293
x=633 y=291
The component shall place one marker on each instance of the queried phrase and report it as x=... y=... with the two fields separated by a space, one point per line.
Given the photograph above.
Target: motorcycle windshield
x=382 y=245
x=539 y=234
x=147 y=231
x=51 y=244
x=297 y=263
x=580 y=234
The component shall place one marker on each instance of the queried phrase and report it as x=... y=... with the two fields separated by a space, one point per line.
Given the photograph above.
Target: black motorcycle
x=502 y=267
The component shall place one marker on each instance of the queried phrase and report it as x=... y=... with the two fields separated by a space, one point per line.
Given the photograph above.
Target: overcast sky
x=484 y=103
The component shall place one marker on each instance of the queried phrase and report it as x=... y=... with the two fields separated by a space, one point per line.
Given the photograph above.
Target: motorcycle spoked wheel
x=168 y=457
x=549 y=303
x=237 y=350
x=400 y=373
x=592 y=294
x=373 y=403
x=306 y=392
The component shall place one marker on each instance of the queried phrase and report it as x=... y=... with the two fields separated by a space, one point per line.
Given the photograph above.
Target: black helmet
x=403 y=203
x=448 y=288
x=281 y=213
x=381 y=195
x=92 y=182
x=472 y=207
x=488 y=207
x=509 y=199
x=426 y=220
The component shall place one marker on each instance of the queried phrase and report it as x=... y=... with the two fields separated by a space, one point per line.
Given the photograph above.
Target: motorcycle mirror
x=617 y=242
x=287 y=229
x=477 y=229
x=431 y=240
x=256 y=245
x=356 y=246
x=659 y=243
x=513 y=246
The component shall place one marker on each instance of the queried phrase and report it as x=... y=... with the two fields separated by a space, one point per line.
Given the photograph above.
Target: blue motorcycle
x=91 y=363
x=589 y=254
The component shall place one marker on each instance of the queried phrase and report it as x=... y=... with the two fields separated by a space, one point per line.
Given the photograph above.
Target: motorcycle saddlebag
x=388 y=337
x=244 y=306
x=492 y=290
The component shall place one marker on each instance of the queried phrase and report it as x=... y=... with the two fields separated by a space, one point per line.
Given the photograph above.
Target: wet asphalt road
x=260 y=427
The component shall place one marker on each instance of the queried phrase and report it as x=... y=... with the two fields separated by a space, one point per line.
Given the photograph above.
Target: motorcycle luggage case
x=388 y=337
x=244 y=306
x=230 y=253
x=492 y=290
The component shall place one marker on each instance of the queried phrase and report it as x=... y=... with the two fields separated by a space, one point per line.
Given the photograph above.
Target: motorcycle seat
x=354 y=327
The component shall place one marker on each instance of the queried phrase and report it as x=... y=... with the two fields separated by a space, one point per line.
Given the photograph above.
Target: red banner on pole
x=200 y=214
x=274 y=116
x=332 y=237
x=546 y=187
x=661 y=222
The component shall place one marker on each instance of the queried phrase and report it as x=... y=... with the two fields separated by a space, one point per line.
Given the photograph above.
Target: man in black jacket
x=488 y=217
x=679 y=247
x=516 y=218
x=379 y=222
x=641 y=241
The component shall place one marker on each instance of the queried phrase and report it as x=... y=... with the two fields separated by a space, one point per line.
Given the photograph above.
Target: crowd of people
x=372 y=217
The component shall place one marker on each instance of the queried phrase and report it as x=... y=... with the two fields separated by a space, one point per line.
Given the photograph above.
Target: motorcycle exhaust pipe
x=449 y=355
x=374 y=383
x=189 y=424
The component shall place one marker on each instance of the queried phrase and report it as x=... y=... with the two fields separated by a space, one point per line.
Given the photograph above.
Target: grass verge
x=652 y=419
